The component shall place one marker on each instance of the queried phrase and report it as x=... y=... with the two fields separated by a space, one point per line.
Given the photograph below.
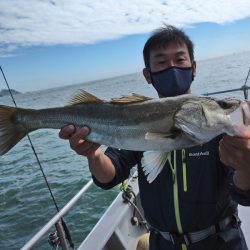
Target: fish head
x=203 y=118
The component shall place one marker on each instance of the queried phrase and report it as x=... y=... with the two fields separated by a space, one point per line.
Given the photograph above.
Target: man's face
x=173 y=55
x=163 y=58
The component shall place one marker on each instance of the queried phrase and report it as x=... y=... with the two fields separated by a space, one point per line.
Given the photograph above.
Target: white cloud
x=48 y=22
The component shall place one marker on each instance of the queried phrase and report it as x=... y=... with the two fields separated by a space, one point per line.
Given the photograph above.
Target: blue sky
x=45 y=44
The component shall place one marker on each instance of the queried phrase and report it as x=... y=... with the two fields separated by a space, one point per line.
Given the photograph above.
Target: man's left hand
x=235 y=152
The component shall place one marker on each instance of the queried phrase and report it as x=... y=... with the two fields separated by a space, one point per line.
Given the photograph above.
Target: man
x=192 y=204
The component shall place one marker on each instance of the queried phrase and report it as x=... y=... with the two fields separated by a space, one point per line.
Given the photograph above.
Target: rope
x=41 y=168
x=127 y=196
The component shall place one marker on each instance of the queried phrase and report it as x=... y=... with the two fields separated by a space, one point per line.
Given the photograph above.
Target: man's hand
x=77 y=141
x=235 y=152
x=99 y=164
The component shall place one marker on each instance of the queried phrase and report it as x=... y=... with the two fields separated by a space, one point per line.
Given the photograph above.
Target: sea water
x=25 y=202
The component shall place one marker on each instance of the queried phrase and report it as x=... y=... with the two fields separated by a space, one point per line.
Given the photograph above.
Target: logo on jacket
x=206 y=153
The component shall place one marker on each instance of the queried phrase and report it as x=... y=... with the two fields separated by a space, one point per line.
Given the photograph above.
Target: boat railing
x=56 y=221
x=243 y=88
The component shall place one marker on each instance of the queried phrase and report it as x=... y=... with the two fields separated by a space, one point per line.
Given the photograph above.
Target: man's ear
x=147 y=76
x=194 y=68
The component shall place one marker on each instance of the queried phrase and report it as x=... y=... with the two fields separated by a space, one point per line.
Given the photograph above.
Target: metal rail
x=243 y=88
x=56 y=218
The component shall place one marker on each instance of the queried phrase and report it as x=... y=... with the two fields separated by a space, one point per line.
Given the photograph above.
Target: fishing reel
x=54 y=240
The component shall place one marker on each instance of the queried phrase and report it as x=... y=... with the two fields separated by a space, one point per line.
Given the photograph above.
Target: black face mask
x=172 y=81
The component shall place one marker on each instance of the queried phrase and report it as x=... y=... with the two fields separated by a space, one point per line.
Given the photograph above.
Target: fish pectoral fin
x=153 y=163
x=83 y=97
x=130 y=99
x=156 y=136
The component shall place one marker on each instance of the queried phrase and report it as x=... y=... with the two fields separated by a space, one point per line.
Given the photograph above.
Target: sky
x=52 y=43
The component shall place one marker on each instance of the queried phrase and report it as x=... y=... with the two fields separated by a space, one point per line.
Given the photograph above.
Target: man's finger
x=67 y=131
x=237 y=143
x=79 y=136
x=229 y=154
x=246 y=110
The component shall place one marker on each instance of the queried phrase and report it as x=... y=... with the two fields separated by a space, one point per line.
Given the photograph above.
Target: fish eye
x=224 y=105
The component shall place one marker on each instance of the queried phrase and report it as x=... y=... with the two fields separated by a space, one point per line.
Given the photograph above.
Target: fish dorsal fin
x=130 y=99
x=153 y=163
x=83 y=97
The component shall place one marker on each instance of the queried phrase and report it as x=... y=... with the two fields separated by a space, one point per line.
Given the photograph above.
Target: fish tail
x=10 y=133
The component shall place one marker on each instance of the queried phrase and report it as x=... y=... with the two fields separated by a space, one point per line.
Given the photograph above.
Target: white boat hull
x=115 y=230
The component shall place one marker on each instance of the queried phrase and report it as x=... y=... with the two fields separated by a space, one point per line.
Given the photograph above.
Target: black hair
x=162 y=37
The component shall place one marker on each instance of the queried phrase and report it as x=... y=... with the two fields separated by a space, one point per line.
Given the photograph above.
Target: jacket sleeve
x=123 y=161
x=242 y=197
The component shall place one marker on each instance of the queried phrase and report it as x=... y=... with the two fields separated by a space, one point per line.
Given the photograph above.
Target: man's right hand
x=77 y=141
x=99 y=164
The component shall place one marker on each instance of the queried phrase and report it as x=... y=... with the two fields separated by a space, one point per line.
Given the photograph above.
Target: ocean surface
x=25 y=202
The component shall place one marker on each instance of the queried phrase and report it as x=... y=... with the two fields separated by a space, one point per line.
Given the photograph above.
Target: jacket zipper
x=184 y=169
x=176 y=199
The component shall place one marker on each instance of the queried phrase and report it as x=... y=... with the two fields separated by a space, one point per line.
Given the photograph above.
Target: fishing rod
x=243 y=88
x=65 y=228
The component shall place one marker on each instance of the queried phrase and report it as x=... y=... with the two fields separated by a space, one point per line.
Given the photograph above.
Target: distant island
x=5 y=92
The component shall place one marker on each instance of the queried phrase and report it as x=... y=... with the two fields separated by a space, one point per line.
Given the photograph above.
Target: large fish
x=133 y=122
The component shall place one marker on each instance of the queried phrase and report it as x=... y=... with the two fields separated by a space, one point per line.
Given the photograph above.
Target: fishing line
x=41 y=168
x=32 y=146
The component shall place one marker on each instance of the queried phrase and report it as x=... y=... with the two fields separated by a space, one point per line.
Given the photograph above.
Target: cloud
x=49 y=22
